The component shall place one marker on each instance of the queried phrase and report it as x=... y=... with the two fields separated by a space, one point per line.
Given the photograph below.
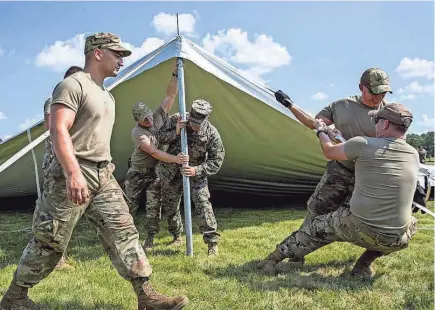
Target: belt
x=142 y=169
x=97 y=164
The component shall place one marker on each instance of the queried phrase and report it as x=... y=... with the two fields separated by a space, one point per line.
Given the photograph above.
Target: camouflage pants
x=342 y=226
x=55 y=218
x=171 y=195
x=334 y=190
x=136 y=183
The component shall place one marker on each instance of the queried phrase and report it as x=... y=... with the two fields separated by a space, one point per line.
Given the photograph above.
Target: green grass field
x=404 y=280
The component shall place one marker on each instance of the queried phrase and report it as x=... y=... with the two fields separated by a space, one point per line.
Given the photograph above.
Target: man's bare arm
x=148 y=147
x=171 y=92
x=62 y=118
x=331 y=150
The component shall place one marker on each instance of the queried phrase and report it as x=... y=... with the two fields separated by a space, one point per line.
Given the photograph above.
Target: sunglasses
x=377 y=118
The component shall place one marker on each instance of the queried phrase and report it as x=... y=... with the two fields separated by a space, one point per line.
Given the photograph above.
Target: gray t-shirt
x=385 y=180
x=95 y=115
x=140 y=158
x=350 y=116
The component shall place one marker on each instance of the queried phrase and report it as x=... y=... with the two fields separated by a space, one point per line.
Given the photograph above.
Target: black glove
x=419 y=197
x=282 y=98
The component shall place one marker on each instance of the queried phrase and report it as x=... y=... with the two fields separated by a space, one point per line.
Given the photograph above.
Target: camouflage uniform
x=56 y=215
x=336 y=185
x=55 y=218
x=140 y=178
x=342 y=226
x=48 y=153
x=206 y=154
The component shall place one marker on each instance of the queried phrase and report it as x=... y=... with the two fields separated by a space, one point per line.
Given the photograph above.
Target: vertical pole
x=35 y=164
x=186 y=183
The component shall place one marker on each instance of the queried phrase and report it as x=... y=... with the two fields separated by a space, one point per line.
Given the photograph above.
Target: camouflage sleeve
x=215 y=156
x=167 y=132
x=327 y=112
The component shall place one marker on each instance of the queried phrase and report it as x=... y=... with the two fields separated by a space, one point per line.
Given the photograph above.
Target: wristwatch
x=320 y=131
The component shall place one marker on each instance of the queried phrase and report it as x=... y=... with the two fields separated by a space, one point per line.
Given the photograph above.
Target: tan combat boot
x=363 y=266
x=148 y=244
x=16 y=298
x=268 y=264
x=176 y=242
x=62 y=264
x=213 y=249
x=149 y=299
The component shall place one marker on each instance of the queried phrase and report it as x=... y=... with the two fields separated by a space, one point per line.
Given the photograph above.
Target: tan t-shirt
x=95 y=115
x=385 y=179
x=140 y=158
x=349 y=115
x=47 y=106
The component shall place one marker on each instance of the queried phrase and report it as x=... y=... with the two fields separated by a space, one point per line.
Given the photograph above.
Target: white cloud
x=319 y=96
x=424 y=124
x=235 y=45
x=12 y=52
x=416 y=67
x=408 y=97
x=417 y=88
x=261 y=55
x=3 y=116
x=146 y=47
x=63 y=54
x=167 y=23
x=5 y=137
x=30 y=121
x=255 y=73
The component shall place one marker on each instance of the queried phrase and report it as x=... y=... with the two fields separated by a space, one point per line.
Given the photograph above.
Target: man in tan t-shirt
x=79 y=181
x=379 y=218
x=48 y=154
x=141 y=175
x=349 y=115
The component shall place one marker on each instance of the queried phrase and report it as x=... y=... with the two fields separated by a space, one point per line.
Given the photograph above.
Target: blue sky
x=314 y=51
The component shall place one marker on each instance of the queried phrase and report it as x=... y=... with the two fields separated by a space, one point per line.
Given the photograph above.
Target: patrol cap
x=141 y=111
x=376 y=80
x=105 y=40
x=199 y=112
x=394 y=112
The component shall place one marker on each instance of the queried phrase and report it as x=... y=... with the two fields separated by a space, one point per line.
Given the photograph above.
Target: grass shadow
x=73 y=305
x=294 y=275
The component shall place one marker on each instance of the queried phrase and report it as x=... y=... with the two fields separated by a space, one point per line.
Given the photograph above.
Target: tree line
x=426 y=140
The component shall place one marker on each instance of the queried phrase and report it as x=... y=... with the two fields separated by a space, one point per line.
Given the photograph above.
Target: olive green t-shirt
x=350 y=116
x=140 y=158
x=385 y=179
x=95 y=115
x=47 y=106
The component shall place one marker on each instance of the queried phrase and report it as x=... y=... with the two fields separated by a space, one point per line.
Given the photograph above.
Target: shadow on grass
x=294 y=275
x=84 y=244
x=72 y=305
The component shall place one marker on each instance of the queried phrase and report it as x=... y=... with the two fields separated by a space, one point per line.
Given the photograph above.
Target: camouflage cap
x=141 y=111
x=105 y=40
x=376 y=80
x=394 y=112
x=199 y=112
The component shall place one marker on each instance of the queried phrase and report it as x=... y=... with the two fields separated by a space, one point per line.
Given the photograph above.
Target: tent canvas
x=267 y=151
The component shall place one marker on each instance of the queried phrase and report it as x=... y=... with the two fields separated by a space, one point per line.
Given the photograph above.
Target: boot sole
x=181 y=304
